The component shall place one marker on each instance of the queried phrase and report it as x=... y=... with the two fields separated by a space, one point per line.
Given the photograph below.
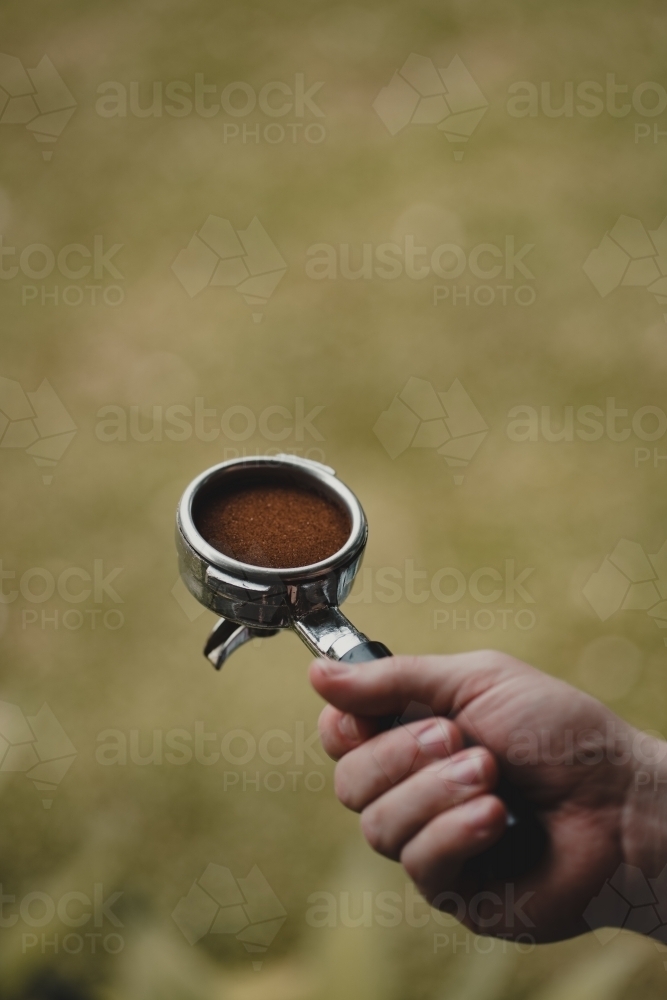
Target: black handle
x=522 y=846
x=524 y=843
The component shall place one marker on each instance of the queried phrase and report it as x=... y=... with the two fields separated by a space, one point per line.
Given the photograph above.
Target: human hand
x=425 y=794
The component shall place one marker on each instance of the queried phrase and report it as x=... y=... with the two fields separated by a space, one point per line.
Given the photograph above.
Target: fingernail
x=347 y=724
x=333 y=668
x=465 y=770
x=435 y=733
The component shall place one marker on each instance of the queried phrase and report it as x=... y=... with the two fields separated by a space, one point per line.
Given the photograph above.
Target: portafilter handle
x=327 y=632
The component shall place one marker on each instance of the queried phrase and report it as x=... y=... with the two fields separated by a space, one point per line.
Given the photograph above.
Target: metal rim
x=321 y=473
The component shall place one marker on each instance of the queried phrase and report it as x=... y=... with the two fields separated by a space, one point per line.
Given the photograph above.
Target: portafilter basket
x=257 y=601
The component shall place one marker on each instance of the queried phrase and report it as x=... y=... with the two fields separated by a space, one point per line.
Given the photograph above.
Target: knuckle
x=494 y=659
x=374 y=830
x=395 y=754
x=369 y=828
x=344 y=788
x=405 y=667
x=327 y=734
x=488 y=765
x=398 y=672
x=451 y=734
x=411 y=864
x=487 y=667
x=483 y=758
x=331 y=747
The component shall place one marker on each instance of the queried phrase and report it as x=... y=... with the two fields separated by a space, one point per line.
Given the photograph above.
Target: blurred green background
x=149 y=829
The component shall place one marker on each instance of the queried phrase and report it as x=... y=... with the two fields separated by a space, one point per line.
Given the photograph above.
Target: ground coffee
x=274 y=525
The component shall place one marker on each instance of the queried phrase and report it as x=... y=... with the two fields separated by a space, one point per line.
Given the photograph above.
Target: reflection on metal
x=228 y=636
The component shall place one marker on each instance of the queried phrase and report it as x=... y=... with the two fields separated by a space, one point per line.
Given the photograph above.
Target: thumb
x=446 y=684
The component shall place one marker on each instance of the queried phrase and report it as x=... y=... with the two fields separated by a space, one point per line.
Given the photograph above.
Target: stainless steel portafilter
x=257 y=601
